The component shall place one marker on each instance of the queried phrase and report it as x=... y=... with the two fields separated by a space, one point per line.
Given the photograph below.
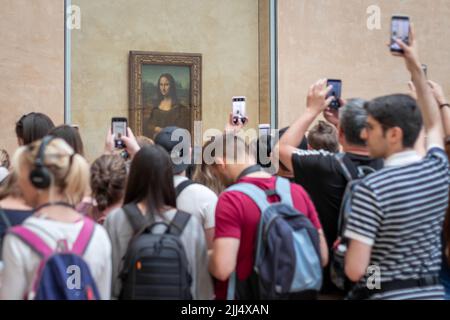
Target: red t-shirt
x=237 y=216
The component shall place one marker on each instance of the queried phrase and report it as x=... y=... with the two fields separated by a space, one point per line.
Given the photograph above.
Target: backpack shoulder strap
x=179 y=222
x=252 y=191
x=283 y=189
x=32 y=240
x=135 y=217
x=84 y=237
x=5 y=218
x=183 y=185
x=346 y=170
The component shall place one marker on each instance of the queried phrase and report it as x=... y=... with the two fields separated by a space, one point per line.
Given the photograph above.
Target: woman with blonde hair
x=52 y=179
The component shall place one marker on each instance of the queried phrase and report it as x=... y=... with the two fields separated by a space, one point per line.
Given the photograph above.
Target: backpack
x=287 y=250
x=183 y=185
x=63 y=274
x=354 y=175
x=7 y=224
x=155 y=265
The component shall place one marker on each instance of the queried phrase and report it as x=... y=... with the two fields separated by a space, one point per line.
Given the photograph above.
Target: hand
x=332 y=116
x=131 y=144
x=316 y=100
x=230 y=127
x=412 y=90
x=438 y=93
x=410 y=52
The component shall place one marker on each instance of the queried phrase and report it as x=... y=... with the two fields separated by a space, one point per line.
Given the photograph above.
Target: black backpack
x=155 y=265
x=183 y=185
x=353 y=174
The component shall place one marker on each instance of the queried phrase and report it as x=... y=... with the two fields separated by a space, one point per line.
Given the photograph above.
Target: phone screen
x=239 y=106
x=335 y=92
x=119 y=129
x=399 y=30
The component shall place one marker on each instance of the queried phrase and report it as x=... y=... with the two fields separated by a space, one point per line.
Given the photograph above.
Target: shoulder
x=437 y=154
x=200 y=191
x=115 y=220
x=320 y=159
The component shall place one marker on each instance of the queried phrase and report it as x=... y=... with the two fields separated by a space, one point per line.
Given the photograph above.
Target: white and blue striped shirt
x=399 y=212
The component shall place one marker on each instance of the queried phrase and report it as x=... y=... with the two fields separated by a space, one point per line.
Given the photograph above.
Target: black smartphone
x=335 y=92
x=399 y=30
x=119 y=128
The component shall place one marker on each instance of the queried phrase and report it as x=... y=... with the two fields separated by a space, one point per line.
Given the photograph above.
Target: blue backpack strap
x=252 y=191
x=283 y=189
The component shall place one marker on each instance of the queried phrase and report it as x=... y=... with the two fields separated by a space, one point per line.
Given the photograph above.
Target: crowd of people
x=371 y=183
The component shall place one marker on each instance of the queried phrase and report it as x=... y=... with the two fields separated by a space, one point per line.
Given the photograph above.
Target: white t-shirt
x=197 y=200
x=20 y=262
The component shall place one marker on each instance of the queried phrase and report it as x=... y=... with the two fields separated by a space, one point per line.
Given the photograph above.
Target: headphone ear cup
x=40 y=178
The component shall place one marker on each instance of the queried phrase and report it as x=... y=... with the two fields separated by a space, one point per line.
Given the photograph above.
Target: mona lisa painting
x=165 y=90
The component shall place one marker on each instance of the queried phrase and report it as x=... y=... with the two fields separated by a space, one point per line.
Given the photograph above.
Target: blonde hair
x=4 y=159
x=69 y=171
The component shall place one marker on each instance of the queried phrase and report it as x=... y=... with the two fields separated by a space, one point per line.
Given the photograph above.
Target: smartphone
x=264 y=129
x=399 y=30
x=239 y=110
x=335 y=92
x=119 y=128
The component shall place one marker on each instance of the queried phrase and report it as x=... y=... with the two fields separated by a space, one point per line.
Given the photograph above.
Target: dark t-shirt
x=321 y=176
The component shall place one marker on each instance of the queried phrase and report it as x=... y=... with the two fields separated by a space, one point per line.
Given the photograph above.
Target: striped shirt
x=399 y=212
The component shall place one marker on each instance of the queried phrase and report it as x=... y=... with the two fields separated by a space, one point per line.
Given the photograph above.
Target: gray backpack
x=287 y=255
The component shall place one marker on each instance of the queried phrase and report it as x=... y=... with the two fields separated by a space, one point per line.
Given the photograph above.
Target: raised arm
x=425 y=99
x=315 y=104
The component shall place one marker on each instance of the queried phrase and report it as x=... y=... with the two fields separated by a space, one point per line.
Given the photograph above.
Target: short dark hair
x=352 y=120
x=397 y=110
x=71 y=136
x=33 y=126
x=151 y=179
x=323 y=136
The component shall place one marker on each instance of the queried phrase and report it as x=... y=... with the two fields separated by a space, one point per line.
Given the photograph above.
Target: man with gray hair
x=319 y=171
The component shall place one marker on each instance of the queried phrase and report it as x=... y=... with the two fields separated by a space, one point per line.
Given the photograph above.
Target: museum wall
x=31 y=63
x=329 y=38
x=224 y=32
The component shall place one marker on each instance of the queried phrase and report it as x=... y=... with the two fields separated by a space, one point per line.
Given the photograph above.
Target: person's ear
x=395 y=135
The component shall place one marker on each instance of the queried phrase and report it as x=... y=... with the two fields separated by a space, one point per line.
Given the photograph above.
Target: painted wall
x=31 y=63
x=329 y=38
x=224 y=32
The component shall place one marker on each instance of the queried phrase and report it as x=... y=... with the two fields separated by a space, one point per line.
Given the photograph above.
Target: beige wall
x=31 y=63
x=224 y=32
x=329 y=38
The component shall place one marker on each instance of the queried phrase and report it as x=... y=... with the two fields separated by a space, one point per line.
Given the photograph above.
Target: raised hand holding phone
x=318 y=99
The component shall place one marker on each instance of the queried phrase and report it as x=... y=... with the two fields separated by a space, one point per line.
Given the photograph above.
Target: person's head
x=352 y=121
x=49 y=170
x=176 y=141
x=167 y=88
x=108 y=180
x=4 y=159
x=71 y=136
x=144 y=141
x=323 y=136
x=228 y=155
x=151 y=179
x=33 y=126
x=394 y=123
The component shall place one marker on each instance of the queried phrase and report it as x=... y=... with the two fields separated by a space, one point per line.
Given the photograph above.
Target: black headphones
x=40 y=176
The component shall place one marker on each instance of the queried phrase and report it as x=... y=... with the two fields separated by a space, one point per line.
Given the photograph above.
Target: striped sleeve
x=365 y=217
x=439 y=154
